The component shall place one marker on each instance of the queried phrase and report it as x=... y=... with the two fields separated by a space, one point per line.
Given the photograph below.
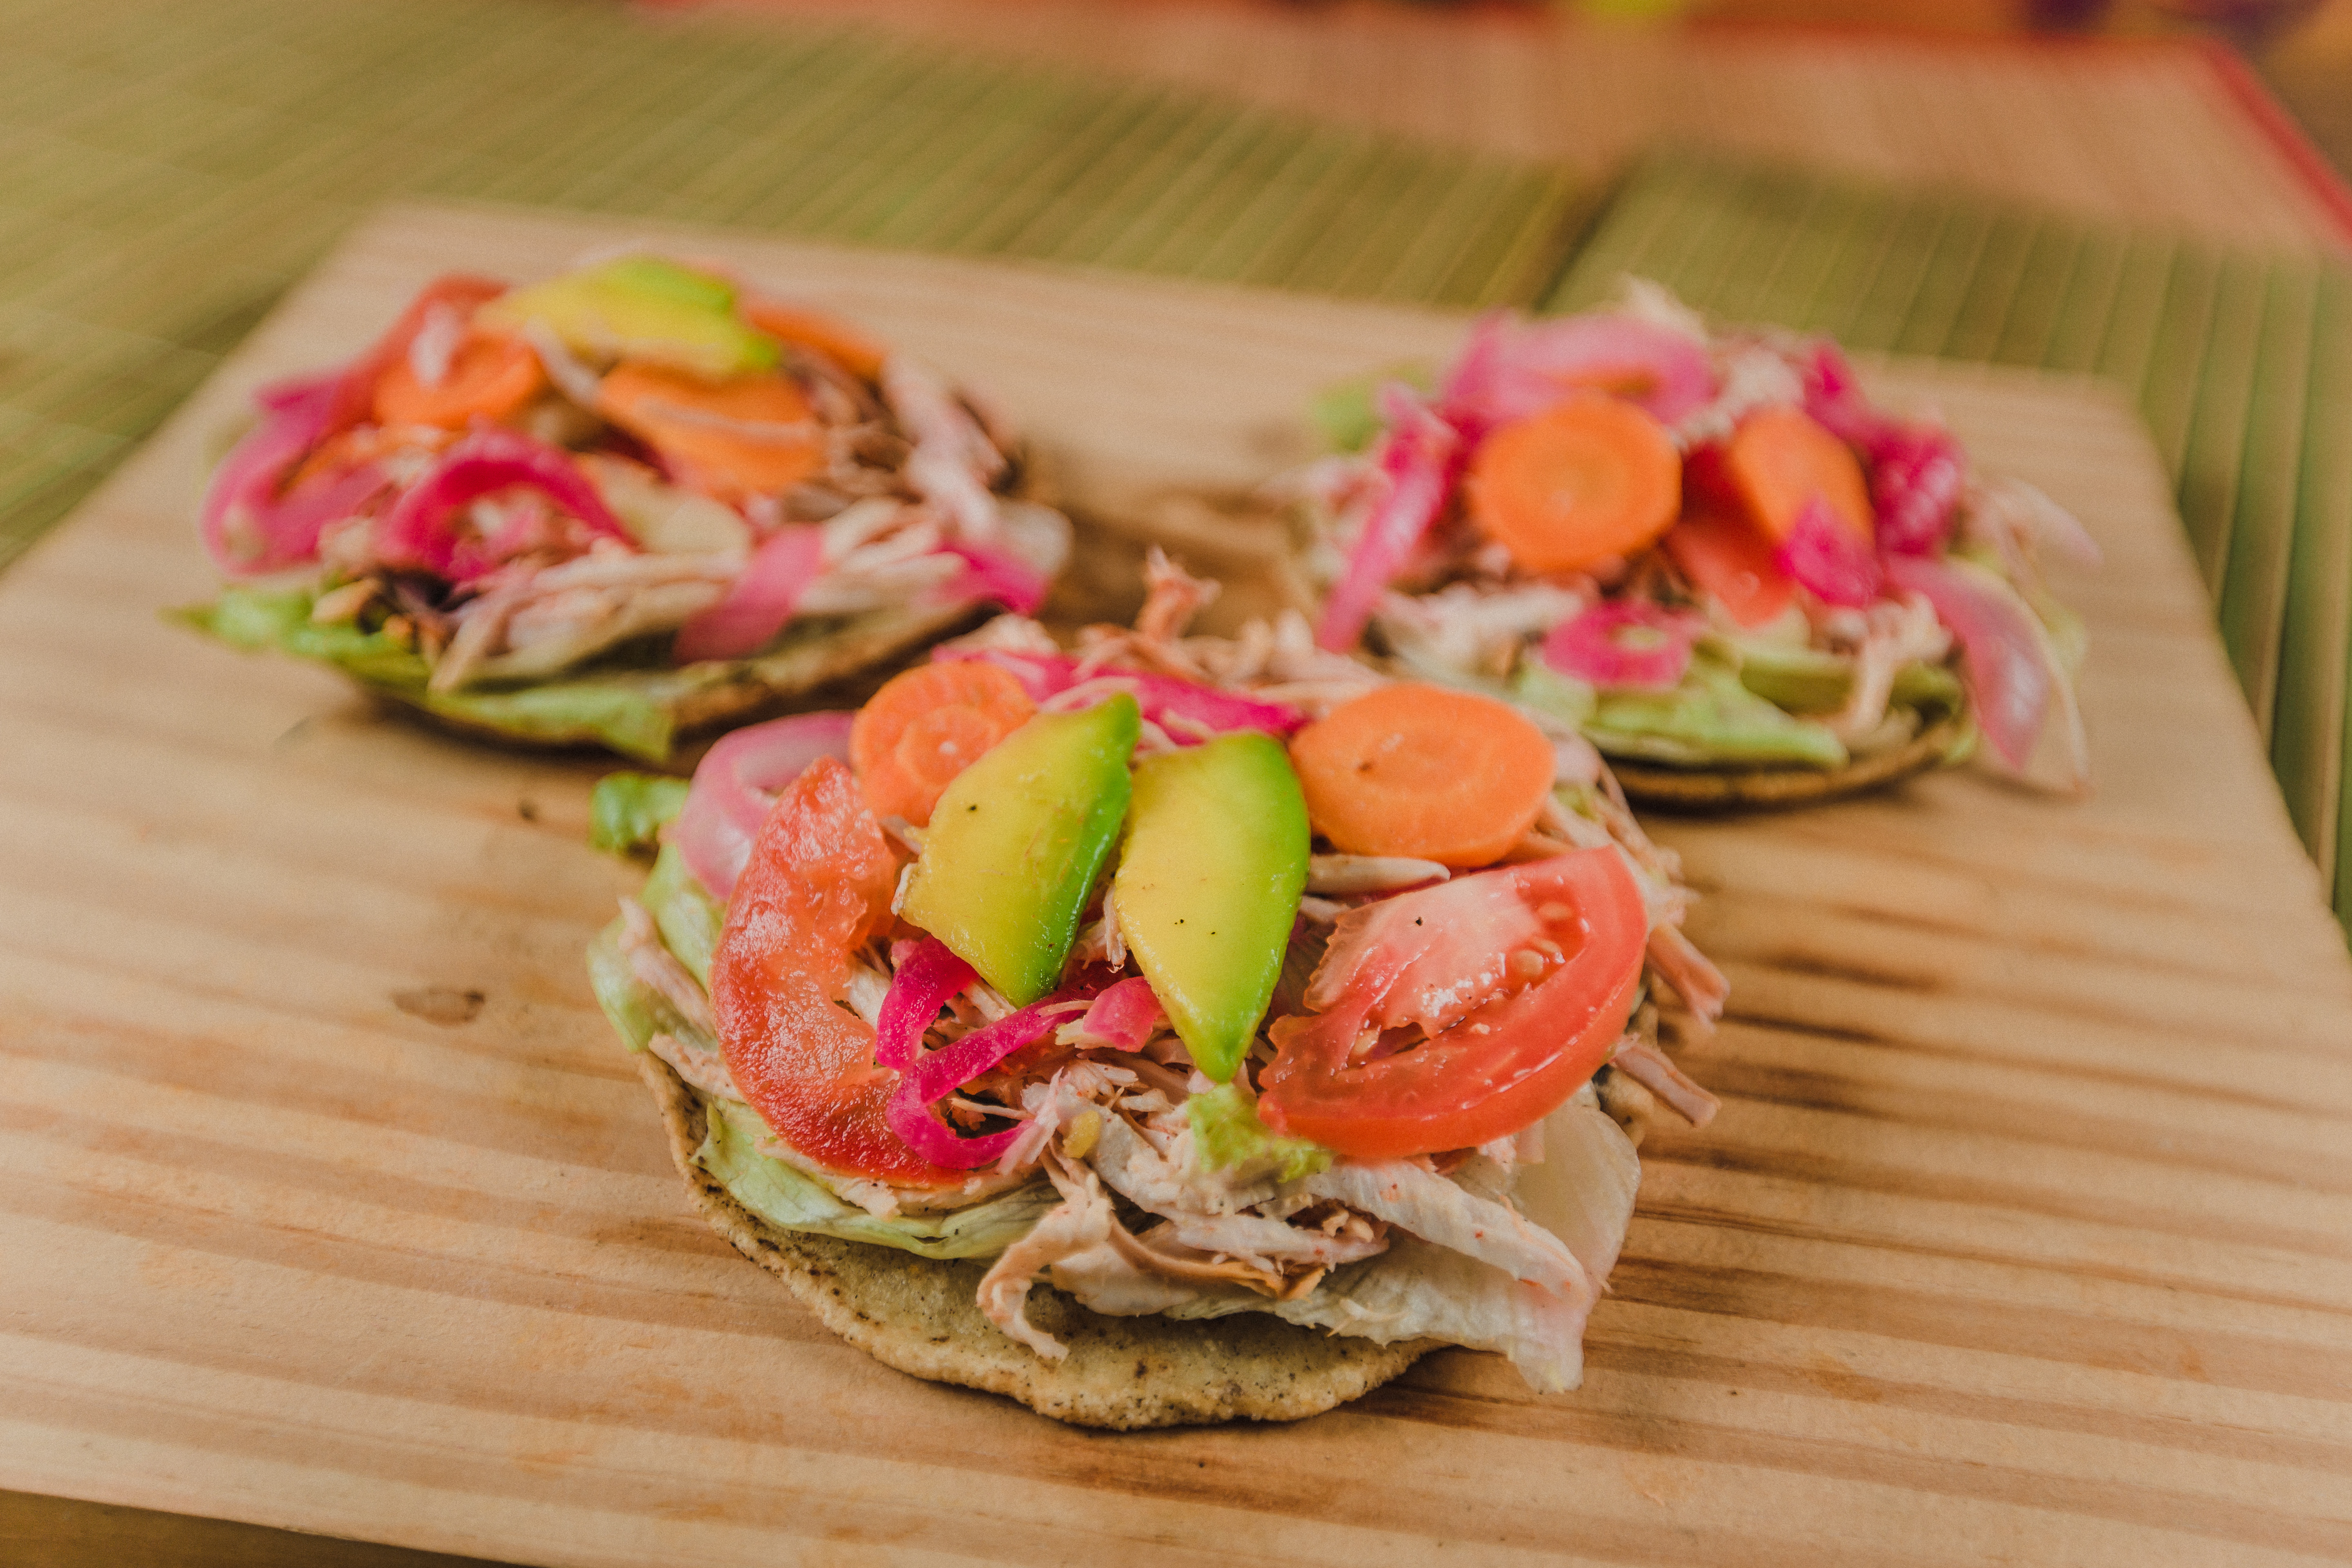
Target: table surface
x=2022 y=1234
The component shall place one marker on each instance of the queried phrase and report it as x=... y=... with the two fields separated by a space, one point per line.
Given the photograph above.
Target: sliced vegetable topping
x=1424 y=771
x=426 y=529
x=926 y=726
x=1626 y=644
x=734 y=791
x=829 y=336
x=1417 y=465
x=817 y=887
x=1462 y=1013
x=1828 y=559
x=1780 y=458
x=1730 y=561
x=935 y=1076
x=1189 y=711
x=748 y=434
x=758 y=604
x=1016 y=841
x=924 y=977
x=1509 y=373
x=1208 y=884
x=1586 y=481
x=488 y=375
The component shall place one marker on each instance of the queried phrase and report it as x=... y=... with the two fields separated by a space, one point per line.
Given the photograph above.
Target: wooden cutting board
x=330 y=1202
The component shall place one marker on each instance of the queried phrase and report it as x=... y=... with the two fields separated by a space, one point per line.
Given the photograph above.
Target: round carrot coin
x=1590 y=479
x=1425 y=772
x=928 y=724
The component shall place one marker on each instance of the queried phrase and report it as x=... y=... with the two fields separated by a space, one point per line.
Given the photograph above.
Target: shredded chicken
x=1370 y=873
x=653 y=963
x=1657 y=1073
x=1084 y=1220
x=952 y=460
x=1173 y=597
x=1699 y=984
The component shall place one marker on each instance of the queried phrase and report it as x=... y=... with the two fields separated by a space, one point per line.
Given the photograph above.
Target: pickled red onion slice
x=759 y=601
x=1822 y=555
x=419 y=531
x=939 y=1075
x=737 y=784
x=1623 y=644
x=1418 y=463
x=925 y=974
x=247 y=527
x=990 y=574
x=1161 y=696
x=1512 y=371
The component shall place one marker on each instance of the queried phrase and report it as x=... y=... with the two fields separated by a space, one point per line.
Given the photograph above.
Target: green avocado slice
x=1208 y=885
x=1015 y=843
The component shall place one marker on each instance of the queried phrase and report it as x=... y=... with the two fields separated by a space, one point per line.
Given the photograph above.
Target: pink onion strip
x=1418 y=462
x=996 y=574
x=925 y=974
x=944 y=1071
x=1161 y=696
x=736 y=785
x=1824 y=556
x=419 y=531
x=1624 y=644
x=1513 y=371
x=760 y=601
x=244 y=526
x=1123 y=1017
x=2011 y=670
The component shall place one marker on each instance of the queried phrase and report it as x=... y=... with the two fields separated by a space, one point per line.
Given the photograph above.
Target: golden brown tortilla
x=1698 y=789
x=920 y=1316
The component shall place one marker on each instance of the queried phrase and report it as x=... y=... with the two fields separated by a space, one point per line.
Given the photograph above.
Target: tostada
x=1172 y=1029
x=1742 y=581
x=618 y=507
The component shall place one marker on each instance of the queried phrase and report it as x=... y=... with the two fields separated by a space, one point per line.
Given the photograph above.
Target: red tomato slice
x=1731 y=562
x=818 y=885
x=1504 y=1064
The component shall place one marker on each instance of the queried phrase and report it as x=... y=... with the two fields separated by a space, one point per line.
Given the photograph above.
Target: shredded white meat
x=1656 y=1072
x=1083 y=1221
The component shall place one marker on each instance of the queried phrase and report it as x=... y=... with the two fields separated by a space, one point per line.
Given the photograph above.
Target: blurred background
x=2148 y=191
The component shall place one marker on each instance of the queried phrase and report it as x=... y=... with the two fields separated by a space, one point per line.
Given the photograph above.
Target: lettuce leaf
x=1348 y=411
x=784 y=1195
x=627 y=811
x=1226 y=1130
x=1710 y=718
x=791 y=1199
x=622 y=702
x=688 y=918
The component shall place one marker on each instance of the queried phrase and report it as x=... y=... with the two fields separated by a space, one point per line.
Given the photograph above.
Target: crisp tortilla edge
x=1700 y=789
x=1122 y=1374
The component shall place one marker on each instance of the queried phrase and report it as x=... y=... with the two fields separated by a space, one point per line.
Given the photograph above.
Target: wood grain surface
x=328 y=1200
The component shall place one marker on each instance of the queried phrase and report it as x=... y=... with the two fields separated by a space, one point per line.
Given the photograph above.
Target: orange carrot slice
x=802 y=328
x=1727 y=557
x=490 y=376
x=1780 y=457
x=928 y=724
x=1591 y=478
x=748 y=434
x=1424 y=772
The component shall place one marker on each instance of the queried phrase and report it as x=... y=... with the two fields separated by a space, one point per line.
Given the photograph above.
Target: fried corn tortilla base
x=921 y=1317
x=1696 y=789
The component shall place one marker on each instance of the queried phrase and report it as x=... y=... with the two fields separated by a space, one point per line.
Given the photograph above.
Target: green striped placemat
x=172 y=167
x=2241 y=364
